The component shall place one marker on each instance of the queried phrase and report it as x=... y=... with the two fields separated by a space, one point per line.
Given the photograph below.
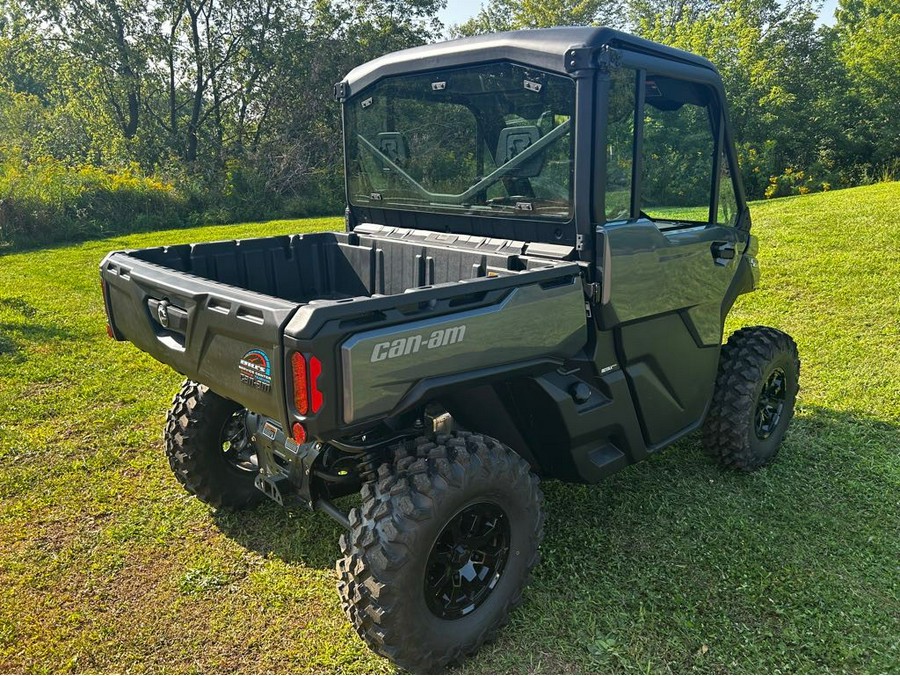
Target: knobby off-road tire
x=754 y=397
x=209 y=450
x=435 y=488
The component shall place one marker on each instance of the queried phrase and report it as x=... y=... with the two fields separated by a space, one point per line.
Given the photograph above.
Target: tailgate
x=225 y=337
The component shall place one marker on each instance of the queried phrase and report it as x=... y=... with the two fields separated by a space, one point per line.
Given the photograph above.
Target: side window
x=678 y=151
x=727 y=201
x=620 y=144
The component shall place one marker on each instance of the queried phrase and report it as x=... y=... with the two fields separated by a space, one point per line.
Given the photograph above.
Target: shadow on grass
x=293 y=534
x=14 y=335
x=676 y=544
x=682 y=475
x=825 y=449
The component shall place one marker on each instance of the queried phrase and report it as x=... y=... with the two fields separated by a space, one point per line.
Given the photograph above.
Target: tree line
x=126 y=113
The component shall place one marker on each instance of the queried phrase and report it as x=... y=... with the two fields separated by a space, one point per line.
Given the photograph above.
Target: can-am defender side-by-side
x=544 y=233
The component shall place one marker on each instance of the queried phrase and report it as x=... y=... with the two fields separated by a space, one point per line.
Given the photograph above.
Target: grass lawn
x=671 y=566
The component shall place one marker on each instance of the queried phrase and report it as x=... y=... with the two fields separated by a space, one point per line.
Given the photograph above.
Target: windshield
x=490 y=139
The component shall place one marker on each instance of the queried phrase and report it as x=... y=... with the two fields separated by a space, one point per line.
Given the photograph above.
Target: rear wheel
x=441 y=548
x=753 y=403
x=209 y=448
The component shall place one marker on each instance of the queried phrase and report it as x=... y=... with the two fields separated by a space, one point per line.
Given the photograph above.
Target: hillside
x=672 y=565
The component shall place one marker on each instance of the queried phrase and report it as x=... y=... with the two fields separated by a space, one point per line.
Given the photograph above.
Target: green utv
x=544 y=233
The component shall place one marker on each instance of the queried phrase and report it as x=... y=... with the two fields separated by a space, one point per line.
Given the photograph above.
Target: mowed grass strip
x=672 y=565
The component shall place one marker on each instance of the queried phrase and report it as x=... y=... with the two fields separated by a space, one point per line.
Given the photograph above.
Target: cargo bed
x=226 y=313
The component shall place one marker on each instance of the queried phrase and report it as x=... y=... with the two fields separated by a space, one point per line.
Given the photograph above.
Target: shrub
x=246 y=195
x=794 y=182
x=48 y=201
x=323 y=195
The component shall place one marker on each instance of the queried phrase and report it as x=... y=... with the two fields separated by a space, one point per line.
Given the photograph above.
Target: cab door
x=668 y=247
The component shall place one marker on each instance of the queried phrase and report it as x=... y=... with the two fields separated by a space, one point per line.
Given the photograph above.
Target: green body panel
x=379 y=367
x=654 y=271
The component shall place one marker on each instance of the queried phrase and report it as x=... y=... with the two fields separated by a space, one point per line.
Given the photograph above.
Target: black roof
x=544 y=48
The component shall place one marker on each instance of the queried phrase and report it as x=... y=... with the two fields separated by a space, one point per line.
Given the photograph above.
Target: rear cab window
x=488 y=140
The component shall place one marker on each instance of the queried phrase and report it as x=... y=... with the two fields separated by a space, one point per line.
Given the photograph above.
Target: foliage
x=501 y=15
x=50 y=201
x=231 y=99
x=673 y=565
x=793 y=182
x=869 y=32
x=810 y=98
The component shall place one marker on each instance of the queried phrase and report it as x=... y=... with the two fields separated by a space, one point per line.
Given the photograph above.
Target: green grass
x=671 y=566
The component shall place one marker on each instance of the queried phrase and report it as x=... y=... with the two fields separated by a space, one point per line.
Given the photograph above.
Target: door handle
x=723 y=251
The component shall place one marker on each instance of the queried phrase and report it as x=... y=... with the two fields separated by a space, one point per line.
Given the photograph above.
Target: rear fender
x=384 y=357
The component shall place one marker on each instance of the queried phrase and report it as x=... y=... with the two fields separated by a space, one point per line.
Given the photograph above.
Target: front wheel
x=440 y=550
x=754 y=397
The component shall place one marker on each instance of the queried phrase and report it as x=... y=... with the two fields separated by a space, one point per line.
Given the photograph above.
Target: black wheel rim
x=467 y=560
x=237 y=449
x=770 y=405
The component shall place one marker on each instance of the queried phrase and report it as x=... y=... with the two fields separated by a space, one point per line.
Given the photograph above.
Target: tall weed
x=48 y=201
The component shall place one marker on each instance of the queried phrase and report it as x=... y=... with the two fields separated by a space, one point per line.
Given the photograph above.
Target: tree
x=501 y=15
x=667 y=13
x=869 y=31
x=768 y=53
x=108 y=35
x=233 y=97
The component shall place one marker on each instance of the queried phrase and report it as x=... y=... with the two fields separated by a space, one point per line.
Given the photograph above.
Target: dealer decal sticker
x=256 y=370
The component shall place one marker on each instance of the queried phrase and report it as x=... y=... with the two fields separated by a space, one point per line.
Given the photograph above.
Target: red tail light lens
x=298 y=433
x=315 y=370
x=301 y=398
